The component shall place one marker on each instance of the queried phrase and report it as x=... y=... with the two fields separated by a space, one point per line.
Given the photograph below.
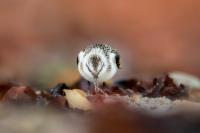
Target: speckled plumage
x=98 y=62
x=106 y=48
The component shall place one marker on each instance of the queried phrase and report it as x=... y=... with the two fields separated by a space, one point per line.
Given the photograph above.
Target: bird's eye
x=77 y=60
x=117 y=59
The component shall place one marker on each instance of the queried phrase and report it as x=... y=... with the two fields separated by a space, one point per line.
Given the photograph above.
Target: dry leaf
x=191 y=81
x=77 y=99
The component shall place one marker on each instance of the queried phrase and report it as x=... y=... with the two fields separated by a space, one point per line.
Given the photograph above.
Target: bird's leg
x=96 y=84
x=97 y=89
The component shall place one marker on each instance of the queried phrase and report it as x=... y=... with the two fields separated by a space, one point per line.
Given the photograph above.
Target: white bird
x=98 y=63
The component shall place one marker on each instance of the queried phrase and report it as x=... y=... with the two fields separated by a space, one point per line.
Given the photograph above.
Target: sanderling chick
x=98 y=63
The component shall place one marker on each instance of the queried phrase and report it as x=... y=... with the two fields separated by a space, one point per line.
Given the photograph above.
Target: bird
x=98 y=63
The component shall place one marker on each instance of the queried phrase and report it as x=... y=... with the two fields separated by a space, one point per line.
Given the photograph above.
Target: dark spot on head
x=77 y=60
x=117 y=59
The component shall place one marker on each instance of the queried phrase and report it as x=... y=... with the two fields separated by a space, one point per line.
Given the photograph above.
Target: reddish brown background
x=40 y=39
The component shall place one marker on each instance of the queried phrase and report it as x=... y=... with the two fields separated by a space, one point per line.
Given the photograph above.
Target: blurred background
x=40 y=40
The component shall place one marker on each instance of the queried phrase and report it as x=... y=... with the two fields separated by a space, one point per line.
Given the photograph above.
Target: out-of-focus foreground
x=40 y=40
x=153 y=106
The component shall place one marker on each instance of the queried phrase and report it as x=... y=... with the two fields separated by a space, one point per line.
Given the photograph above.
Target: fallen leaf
x=77 y=99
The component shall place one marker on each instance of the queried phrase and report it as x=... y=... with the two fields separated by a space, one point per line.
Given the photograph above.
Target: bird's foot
x=99 y=90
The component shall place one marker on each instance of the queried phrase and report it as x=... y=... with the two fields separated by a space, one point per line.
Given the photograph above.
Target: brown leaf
x=4 y=88
x=19 y=95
